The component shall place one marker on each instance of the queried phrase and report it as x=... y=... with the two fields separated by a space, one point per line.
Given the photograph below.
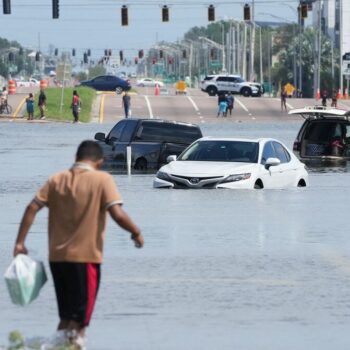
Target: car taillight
x=296 y=146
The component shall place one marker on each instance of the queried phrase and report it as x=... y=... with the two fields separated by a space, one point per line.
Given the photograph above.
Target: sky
x=96 y=24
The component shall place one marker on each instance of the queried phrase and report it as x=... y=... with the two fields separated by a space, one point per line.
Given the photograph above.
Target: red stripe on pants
x=92 y=283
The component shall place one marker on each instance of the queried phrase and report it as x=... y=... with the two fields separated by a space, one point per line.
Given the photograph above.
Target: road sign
x=64 y=72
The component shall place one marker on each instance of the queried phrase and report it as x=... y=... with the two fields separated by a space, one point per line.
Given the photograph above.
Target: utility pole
x=252 y=45
x=244 y=53
x=341 y=45
x=300 y=21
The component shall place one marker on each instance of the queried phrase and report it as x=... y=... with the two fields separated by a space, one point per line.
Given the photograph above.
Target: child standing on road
x=76 y=105
x=222 y=108
x=30 y=106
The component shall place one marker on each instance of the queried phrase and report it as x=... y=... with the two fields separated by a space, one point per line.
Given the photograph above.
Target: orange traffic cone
x=346 y=95
x=318 y=94
x=157 y=90
x=339 y=95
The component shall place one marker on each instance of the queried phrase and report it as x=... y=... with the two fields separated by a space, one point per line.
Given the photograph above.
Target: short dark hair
x=89 y=150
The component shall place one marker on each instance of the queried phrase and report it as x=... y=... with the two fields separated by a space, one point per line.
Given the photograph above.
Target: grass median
x=53 y=101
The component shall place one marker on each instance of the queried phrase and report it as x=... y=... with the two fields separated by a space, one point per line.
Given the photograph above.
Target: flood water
x=221 y=269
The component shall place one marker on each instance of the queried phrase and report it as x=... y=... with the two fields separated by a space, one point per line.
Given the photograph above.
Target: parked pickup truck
x=151 y=141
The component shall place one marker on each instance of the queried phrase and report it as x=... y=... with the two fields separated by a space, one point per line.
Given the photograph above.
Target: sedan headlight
x=163 y=176
x=236 y=177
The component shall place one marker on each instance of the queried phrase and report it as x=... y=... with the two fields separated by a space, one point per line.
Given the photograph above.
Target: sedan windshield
x=222 y=151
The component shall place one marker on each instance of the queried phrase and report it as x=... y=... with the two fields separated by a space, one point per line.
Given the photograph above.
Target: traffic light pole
x=341 y=45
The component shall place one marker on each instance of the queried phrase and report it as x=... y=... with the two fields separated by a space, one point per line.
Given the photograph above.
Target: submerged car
x=233 y=163
x=325 y=134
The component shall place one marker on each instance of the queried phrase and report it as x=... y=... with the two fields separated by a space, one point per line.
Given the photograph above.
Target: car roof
x=320 y=112
x=212 y=138
x=163 y=121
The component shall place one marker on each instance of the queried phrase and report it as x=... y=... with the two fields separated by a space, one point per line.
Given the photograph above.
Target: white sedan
x=149 y=82
x=233 y=163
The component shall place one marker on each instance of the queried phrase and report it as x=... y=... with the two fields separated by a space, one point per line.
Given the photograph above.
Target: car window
x=222 y=151
x=222 y=79
x=268 y=152
x=117 y=130
x=111 y=78
x=209 y=77
x=281 y=153
x=232 y=79
x=128 y=130
x=167 y=132
x=98 y=79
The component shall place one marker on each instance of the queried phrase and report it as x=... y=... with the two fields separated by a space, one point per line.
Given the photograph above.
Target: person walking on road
x=126 y=104
x=334 y=98
x=324 y=98
x=284 y=99
x=78 y=201
x=30 y=106
x=3 y=96
x=42 y=104
x=230 y=102
x=76 y=105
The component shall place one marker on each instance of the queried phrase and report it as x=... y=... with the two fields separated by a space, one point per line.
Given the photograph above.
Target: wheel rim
x=118 y=90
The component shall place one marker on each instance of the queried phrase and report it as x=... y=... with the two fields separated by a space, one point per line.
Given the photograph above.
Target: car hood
x=202 y=169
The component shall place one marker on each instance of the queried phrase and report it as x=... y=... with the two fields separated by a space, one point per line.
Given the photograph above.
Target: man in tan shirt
x=78 y=200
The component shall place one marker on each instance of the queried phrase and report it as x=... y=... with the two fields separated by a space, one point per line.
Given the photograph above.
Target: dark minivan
x=151 y=141
x=325 y=134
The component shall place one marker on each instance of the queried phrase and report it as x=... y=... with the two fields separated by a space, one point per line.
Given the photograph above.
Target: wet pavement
x=221 y=269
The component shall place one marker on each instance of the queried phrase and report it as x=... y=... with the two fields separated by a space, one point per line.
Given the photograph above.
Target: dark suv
x=151 y=141
x=325 y=134
x=107 y=83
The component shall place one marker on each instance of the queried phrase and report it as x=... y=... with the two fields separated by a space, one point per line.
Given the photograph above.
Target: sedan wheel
x=118 y=90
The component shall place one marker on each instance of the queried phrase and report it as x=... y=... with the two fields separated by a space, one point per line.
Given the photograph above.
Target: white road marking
x=241 y=104
x=193 y=104
x=149 y=107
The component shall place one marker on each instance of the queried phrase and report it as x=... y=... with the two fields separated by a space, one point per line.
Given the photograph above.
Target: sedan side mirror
x=100 y=136
x=272 y=162
x=171 y=159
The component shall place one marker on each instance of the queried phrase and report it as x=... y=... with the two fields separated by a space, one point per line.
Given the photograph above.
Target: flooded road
x=221 y=269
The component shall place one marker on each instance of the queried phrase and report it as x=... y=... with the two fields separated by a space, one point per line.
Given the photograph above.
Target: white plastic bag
x=24 y=278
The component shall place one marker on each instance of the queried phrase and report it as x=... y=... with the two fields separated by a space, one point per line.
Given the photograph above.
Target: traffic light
x=20 y=51
x=121 y=56
x=73 y=52
x=140 y=54
x=303 y=10
x=213 y=53
x=89 y=52
x=170 y=60
x=6 y=7
x=55 y=9
x=56 y=52
x=124 y=15
x=85 y=57
x=106 y=52
x=11 y=57
x=211 y=13
x=246 y=12
x=165 y=13
x=184 y=54
x=154 y=60
x=323 y=25
x=110 y=52
x=37 y=57
x=136 y=60
x=161 y=54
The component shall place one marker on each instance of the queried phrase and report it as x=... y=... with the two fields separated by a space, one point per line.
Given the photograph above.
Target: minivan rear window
x=167 y=132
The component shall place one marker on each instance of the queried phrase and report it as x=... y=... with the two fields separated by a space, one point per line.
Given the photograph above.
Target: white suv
x=216 y=84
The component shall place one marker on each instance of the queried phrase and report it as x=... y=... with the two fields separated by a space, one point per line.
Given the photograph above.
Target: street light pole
x=341 y=45
x=252 y=45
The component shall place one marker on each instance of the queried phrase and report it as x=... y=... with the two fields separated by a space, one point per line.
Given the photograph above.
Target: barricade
x=346 y=94
x=318 y=95
x=339 y=95
x=157 y=90
x=12 y=87
x=43 y=84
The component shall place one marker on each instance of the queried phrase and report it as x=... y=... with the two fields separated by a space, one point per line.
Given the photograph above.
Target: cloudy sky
x=95 y=24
